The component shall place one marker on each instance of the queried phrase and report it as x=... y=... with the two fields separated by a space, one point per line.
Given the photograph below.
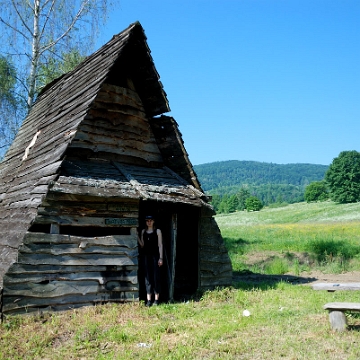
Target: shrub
x=253 y=204
x=316 y=191
x=326 y=251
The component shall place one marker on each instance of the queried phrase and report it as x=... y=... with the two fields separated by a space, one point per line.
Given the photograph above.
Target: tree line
x=340 y=182
x=223 y=174
x=228 y=181
x=267 y=195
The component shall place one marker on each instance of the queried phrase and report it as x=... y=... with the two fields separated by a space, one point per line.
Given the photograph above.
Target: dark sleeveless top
x=151 y=246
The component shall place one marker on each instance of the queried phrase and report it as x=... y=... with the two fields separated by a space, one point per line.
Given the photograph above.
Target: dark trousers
x=152 y=274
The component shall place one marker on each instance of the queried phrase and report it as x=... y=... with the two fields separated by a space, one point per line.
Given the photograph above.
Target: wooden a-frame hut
x=94 y=155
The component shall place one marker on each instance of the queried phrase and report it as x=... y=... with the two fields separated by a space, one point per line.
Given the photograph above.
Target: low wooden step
x=337 y=316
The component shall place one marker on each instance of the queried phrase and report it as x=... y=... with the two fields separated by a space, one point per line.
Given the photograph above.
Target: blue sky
x=265 y=80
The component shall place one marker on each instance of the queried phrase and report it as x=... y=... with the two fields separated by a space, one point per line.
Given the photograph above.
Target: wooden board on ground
x=336 y=286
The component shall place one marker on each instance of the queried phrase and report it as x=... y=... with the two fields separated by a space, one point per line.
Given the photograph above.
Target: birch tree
x=37 y=33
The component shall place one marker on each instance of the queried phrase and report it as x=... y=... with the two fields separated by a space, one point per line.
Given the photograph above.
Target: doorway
x=179 y=225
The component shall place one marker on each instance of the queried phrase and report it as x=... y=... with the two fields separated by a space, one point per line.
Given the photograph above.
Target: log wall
x=92 y=257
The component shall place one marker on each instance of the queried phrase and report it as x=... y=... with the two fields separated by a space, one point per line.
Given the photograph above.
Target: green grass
x=286 y=321
x=327 y=212
x=298 y=237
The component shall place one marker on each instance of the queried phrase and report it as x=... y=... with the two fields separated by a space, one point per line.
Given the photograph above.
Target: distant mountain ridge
x=226 y=177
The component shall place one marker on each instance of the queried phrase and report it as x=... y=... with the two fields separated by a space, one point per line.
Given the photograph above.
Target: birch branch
x=47 y=17
x=76 y=18
x=21 y=18
x=13 y=28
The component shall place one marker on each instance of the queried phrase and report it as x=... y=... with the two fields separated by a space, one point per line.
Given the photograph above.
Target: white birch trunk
x=35 y=54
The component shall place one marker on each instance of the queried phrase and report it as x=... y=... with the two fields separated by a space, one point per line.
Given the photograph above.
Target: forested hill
x=226 y=177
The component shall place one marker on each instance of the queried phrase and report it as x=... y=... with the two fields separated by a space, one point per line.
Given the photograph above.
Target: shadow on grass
x=354 y=328
x=248 y=280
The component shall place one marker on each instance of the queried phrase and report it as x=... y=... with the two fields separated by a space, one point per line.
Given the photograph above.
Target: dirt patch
x=267 y=256
x=308 y=278
x=352 y=276
x=261 y=259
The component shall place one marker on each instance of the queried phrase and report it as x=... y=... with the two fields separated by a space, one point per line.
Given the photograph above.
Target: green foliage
x=328 y=250
x=7 y=80
x=222 y=206
x=343 y=177
x=230 y=203
x=253 y=204
x=242 y=195
x=215 y=201
x=316 y=191
x=239 y=173
x=57 y=66
x=10 y=104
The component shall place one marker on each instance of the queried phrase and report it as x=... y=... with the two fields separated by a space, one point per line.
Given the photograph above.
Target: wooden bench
x=337 y=309
x=337 y=313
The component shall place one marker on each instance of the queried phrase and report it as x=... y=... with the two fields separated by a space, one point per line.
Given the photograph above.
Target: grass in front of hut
x=286 y=321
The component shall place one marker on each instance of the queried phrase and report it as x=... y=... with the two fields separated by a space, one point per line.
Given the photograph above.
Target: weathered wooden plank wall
x=215 y=265
x=117 y=124
x=171 y=145
x=57 y=271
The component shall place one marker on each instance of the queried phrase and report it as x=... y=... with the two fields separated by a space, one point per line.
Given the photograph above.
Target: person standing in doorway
x=151 y=243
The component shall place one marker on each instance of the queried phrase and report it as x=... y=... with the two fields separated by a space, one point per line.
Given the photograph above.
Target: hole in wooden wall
x=40 y=228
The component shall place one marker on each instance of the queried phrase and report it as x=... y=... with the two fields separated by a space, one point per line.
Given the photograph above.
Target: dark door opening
x=187 y=253
x=179 y=278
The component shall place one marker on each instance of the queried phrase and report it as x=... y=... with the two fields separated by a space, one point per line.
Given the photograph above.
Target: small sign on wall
x=121 y=221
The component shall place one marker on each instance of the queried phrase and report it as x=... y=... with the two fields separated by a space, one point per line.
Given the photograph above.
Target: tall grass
x=294 y=237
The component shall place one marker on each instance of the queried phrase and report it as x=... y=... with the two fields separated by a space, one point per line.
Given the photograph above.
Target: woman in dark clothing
x=151 y=243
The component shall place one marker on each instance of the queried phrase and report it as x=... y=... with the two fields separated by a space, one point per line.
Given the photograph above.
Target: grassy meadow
x=295 y=238
x=286 y=320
